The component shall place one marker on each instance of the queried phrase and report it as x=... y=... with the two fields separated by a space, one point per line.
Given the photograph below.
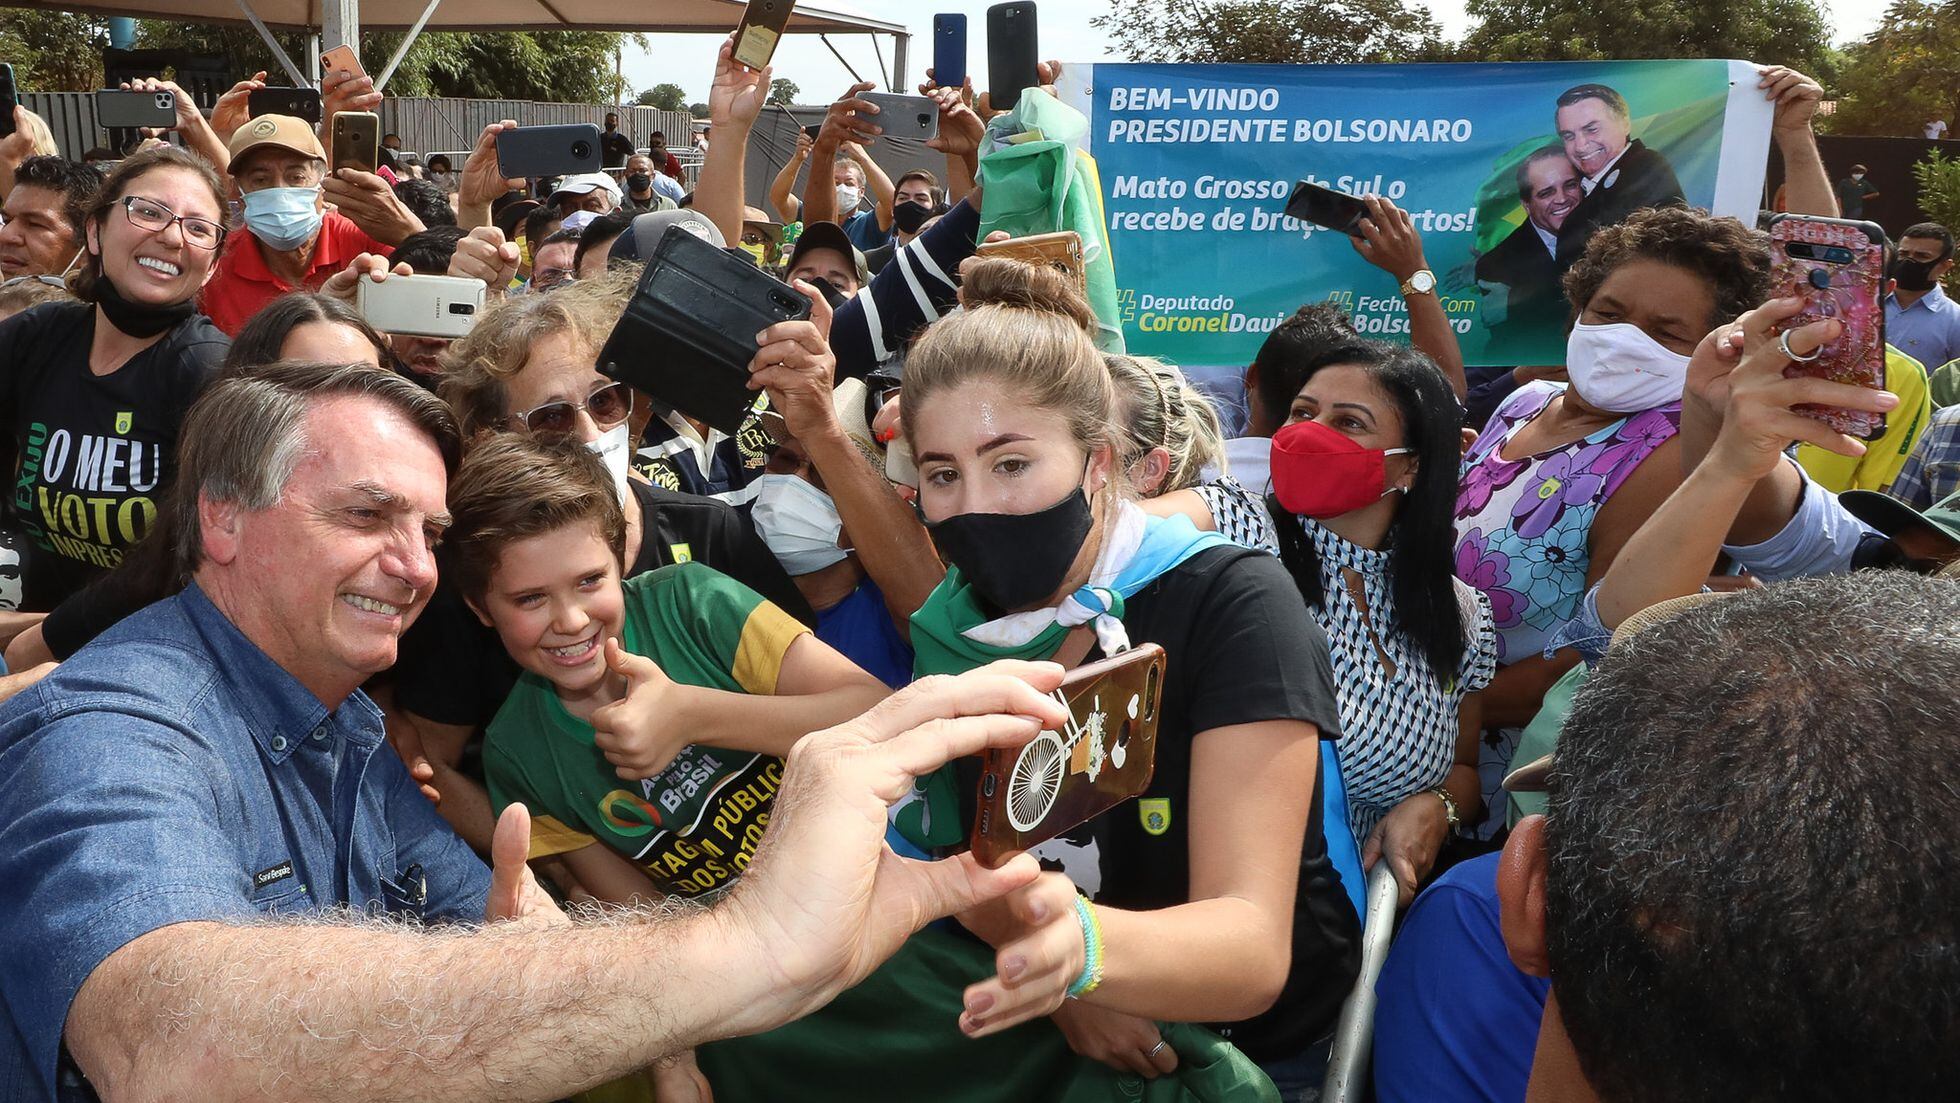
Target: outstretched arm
x=1807 y=186
x=733 y=103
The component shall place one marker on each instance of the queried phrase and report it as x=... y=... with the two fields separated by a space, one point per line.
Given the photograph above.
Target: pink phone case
x=1838 y=267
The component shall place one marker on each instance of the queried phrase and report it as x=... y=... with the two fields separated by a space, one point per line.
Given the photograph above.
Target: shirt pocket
x=278 y=889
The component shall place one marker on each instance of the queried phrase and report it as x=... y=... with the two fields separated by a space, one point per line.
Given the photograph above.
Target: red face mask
x=1319 y=472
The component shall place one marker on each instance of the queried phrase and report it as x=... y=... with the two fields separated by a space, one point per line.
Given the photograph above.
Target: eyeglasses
x=609 y=405
x=51 y=281
x=148 y=214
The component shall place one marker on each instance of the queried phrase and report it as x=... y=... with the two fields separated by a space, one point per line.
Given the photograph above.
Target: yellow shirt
x=1883 y=457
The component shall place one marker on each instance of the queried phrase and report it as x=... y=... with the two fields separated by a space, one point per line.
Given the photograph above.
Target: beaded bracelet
x=1092 y=949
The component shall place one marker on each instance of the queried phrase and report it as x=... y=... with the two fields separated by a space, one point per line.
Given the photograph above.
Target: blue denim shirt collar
x=280 y=712
x=1934 y=300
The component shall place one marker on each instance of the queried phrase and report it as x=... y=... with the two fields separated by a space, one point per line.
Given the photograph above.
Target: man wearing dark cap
x=825 y=252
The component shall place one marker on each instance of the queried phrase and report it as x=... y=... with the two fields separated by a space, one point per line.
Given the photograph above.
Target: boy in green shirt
x=653 y=714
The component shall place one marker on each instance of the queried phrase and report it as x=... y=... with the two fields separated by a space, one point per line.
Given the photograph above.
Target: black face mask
x=1013 y=560
x=638 y=183
x=139 y=319
x=1913 y=275
x=908 y=216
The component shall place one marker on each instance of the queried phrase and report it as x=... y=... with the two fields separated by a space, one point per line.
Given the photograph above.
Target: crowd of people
x=397 y=717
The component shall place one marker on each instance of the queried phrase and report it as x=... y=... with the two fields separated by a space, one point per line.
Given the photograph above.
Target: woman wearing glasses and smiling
x=95 y=390
x=527 y=366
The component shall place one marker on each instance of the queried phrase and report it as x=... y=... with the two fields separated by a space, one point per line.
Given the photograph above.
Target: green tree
x=1902 y=74
x=559 y=66
x=1281 y=31
x=1775 y=32
x=783 y=90
x=666 y=97
x=53 y=51
x=698 y=110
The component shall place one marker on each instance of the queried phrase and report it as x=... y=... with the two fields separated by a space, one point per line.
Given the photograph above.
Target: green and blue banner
x=1505 y=170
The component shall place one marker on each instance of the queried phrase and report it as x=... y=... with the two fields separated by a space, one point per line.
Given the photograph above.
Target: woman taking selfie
x=1364 y=481
x=95 y=390
x=1212 y=897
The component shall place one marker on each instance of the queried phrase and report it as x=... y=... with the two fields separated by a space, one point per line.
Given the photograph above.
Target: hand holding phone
x=949 y=50
x=915 y=117
x=423 y=306
x=762 y=26
x=1104 y=755
x=1063 y=250
x=116 y=108
x=1837 y=267
x=1013 y=53
x=301 y=103
x=548 y=150
x=356 y=141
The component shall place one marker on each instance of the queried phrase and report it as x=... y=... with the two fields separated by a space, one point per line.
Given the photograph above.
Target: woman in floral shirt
x=1562 y=475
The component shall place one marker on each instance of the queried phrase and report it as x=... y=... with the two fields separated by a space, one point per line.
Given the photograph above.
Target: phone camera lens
x=1820 y=279
x=581 y=149
x=987 y=787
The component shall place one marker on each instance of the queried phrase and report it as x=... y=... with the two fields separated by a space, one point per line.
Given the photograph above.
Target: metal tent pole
x=278 y=51
x=401 y=51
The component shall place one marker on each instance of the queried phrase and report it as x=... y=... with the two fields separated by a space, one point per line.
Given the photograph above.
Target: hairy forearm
x=779 y=190
x=1217 y=960
x=1430 y=333
x=891 y=544
x=718 y=192
x=1670 y=555
x=1806 y=183
x=819 y=195
x=962 y=169
x=362 y=1009
x=768 y=724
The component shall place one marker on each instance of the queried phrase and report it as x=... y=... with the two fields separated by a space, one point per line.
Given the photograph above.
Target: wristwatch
x=1449 y=802
x=1422 y=282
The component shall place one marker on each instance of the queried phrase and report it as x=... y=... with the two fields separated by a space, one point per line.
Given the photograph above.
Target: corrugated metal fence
x=426 y=125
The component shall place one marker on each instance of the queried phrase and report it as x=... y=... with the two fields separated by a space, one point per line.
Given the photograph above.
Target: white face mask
x=798 y=522
x=847 y=198
x=1620 y=369
x=611 y=448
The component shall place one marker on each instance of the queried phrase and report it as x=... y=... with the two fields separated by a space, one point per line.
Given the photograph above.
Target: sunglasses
x=609 y=405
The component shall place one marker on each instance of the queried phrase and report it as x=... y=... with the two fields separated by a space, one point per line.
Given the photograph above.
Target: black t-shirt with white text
x=91 y=454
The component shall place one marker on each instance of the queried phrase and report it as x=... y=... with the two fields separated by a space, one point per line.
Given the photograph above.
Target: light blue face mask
x=283 y=218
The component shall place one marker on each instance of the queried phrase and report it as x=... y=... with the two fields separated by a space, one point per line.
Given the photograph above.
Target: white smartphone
x=339 y=58
x=423 y=306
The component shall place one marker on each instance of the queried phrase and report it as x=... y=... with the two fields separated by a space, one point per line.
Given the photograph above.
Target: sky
x=1065 y=35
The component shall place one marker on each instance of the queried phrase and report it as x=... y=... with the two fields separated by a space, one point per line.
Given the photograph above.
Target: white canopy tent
x=335 y=22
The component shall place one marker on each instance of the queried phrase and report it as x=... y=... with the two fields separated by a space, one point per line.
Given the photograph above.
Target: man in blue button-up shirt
x=1920 y=320
x=210 y=766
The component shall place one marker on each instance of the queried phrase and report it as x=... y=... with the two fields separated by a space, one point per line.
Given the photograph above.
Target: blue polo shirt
x=169 y=772
x=1928 y=330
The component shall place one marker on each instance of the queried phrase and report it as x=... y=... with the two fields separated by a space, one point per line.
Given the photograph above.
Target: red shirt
x=243 y=284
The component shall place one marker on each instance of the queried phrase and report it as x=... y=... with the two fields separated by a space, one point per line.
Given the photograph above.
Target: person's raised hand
x=643 y=732
x=345 y=90
x=515 y=895
x=1125 y=1043
x=371 y=204
x=31 y=138
x=1796 y=97
x=1038 y=953
x=1389 y=240
x=234 y=108
x=186 y=108
x=794 y=363
x=482 y=181
x=1756 y=399
x=738 y=93
x=804 y=144
x=483 y=254
x=960 y=127
x=847 y=119
x=1409 y=837
x=825 y=900
x=930 y=89
x=341 y=285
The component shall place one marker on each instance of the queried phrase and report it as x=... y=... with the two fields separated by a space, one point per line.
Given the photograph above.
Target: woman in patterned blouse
x=1362 y=501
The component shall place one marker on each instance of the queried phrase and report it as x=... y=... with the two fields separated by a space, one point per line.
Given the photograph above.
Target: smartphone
x=1837 y=267
x=914 y=117
x=116 y=108
x=1063 y=250
x=688 y=333
x=1013 y=53
x=1104 y=755
x=302 y=103
x=813 y=130
x=356 y=141
x=949 y=50
x=761 y=28
x=9 y=99
x=425 y=306
x=1335 y=210
x=339 y=58
x=548 y=150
